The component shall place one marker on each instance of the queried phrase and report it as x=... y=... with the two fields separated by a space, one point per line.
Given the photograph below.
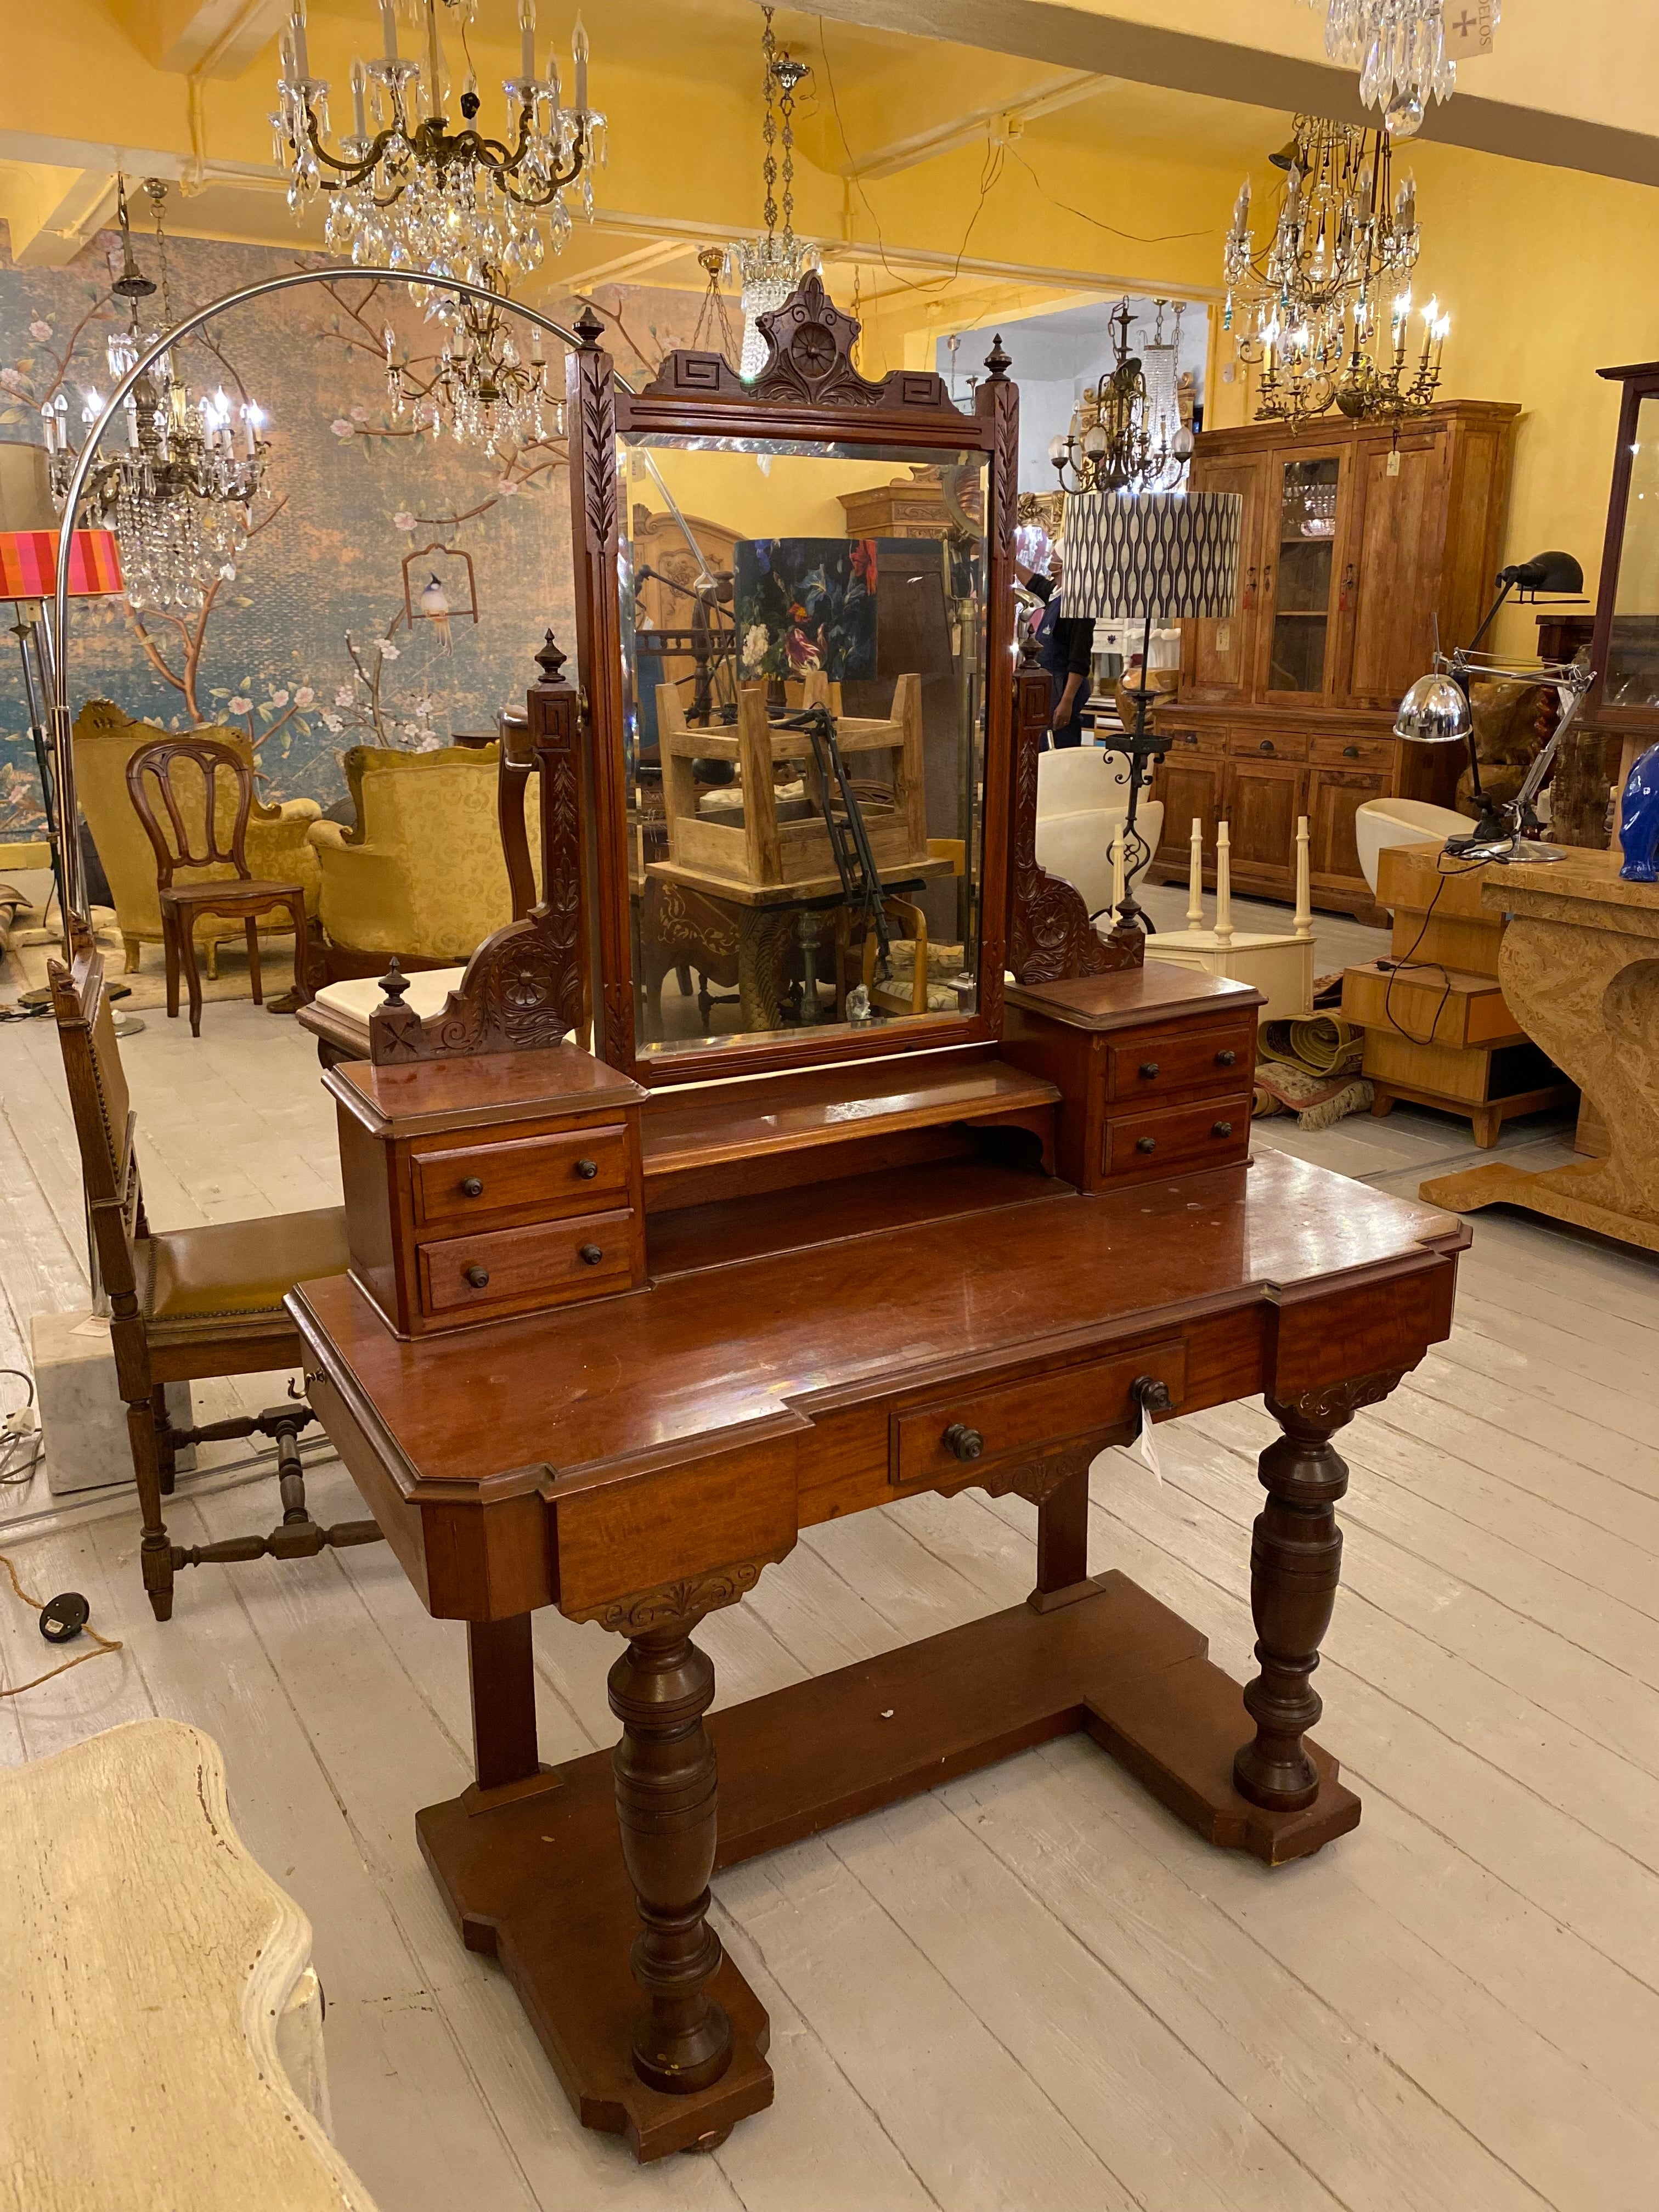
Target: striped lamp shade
x=1165 y=555
x=28 y=564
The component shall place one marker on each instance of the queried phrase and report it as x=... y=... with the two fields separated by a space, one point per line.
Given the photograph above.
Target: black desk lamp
x=1149 y=557
x=1437 y=711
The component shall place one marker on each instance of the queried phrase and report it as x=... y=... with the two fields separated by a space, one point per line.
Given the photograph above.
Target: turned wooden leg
x=251 y=930
x=166 y=1457
x=502 y=1671
x=170 y=954
x=1295 y=1564
x=666 y=1809
x=134 y=952
x=155 y=1552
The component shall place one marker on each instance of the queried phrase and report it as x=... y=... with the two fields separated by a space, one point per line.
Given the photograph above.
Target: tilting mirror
x=804 y=681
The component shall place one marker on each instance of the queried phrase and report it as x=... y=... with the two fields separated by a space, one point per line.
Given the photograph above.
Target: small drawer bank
x=464 y=1207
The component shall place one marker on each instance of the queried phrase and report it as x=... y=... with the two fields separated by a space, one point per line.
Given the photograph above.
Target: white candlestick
x=527 y=40
x=1301 y=921
x=359 y=87
x=301 y=57
x=1224 y=888
x=578 y=49
x=1117 y=871
x=435 y=60
x=389 y=27
x=1195 y=877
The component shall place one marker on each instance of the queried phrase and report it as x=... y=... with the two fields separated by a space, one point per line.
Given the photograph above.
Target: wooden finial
x=996 y=361
x=1301 y=921
x=1029 y=650
x=1223 y=886
x=550 y=660
x=394 y=982
x=589 y=328
x=1195 y=876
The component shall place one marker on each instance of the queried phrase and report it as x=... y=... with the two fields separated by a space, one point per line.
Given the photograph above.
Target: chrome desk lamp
x=1436 y=711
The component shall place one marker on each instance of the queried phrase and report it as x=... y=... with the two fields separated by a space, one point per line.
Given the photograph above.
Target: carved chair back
x=105 y=1127
x=155 y=794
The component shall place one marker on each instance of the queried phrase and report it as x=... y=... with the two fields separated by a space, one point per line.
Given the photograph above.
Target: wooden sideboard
x=1360 y=548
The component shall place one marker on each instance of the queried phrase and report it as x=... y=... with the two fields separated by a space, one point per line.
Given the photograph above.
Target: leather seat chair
x=187 y=1304
x=105 y=739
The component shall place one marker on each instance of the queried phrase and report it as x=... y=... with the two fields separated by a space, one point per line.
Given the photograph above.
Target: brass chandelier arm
x=73 y=896
x=430 y=142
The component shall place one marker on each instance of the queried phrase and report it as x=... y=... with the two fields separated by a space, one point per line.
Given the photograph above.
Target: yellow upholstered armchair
x=424 y=874
x=105 y=739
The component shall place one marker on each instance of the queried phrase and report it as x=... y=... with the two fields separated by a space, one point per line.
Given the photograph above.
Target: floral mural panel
x=806 y=604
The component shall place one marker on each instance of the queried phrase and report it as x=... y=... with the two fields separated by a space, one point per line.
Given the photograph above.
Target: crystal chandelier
x=768 y=268
x=405 y=192
x=1398 y=47
x=1126 y=432
x=1310 y=309
x=177 y=491
x=484 y=391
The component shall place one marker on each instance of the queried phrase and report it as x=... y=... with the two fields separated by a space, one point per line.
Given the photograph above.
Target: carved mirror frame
x=809 y=390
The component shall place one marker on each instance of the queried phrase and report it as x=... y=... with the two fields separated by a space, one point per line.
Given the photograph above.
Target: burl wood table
x=642 y=1460
x=1580 y=968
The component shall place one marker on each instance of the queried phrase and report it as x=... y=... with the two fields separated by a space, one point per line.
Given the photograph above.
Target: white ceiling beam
x=631 y=266
x=62 y=226
x=221 y=38
x=967 y=129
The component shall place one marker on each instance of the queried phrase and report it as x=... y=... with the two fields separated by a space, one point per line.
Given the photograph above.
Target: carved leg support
x=1295 y=1564
x=666 y=1809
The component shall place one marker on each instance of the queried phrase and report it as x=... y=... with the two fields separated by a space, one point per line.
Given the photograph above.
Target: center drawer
x=545 y=1263
x=929 y=1442
x=1219 y=1059
x=553 y=1173
x=1214 y=1133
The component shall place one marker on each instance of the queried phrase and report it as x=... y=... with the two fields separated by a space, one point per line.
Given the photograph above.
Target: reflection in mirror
x=803 y=691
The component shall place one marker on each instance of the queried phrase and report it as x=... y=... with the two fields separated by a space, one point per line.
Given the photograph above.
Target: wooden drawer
x=1206 y=739
x=1352 y=752
x=1212 y=1133
x=540 y=1265
x=555 y=1173
x=1268 y=745
x=1028 y=1418
x=1158 y=1067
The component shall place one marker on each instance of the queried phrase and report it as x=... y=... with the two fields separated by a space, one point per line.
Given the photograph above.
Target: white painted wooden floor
x=1032 y=1988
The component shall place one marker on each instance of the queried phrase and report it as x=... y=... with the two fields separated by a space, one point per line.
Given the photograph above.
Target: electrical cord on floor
x=1444 y=874
x=61 y=1617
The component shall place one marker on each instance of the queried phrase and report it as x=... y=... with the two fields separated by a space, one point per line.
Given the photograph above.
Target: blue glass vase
x=1638 y=819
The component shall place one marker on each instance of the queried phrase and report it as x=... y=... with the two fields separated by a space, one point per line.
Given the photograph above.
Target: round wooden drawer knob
x=1145 y=1144
x=1225 y=1059
x=477 y=1276
x=472 y=1188
x=588 y=1170
x=1222 y=1129
x=963 y=1442
x=1149 y=1069
x=590 y=1254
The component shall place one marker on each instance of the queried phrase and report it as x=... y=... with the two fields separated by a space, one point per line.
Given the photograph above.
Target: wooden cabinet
x=1361 y=546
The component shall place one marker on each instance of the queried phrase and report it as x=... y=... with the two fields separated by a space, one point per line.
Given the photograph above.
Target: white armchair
x=1383 y=822
x=1082 y=798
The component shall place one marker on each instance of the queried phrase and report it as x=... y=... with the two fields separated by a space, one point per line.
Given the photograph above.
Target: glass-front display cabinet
x=1298 y=576
x=1626 y=649
x=793 y=720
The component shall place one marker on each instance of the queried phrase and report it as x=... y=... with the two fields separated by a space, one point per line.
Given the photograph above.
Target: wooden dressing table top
x=752 y=1347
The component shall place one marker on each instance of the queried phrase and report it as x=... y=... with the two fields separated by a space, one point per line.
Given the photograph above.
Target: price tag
x=1143 y=1450
x=1467 y=28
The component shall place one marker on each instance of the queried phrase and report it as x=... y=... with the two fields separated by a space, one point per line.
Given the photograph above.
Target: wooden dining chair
x=156 y=797
x=187 y=1304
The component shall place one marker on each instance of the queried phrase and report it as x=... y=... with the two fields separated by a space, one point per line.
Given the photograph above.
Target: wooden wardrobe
x=1362 y=546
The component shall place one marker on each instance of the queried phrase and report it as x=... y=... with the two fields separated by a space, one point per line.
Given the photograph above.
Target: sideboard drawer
x=1202 y=737
x=558 y=1171
x=1353 y=752
x=1156 y=1068
x=1210 y=1134
x=546 y=1263
x=953 y=1435
x=1268 y=745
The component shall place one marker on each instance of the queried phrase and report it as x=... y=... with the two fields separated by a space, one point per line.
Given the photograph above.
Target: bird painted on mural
x=434 y=605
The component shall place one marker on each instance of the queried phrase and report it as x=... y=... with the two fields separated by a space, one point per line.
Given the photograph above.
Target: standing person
x=1066 y=647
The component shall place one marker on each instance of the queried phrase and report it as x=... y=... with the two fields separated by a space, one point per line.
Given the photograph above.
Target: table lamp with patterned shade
x=1151 y=557
x=28 y=576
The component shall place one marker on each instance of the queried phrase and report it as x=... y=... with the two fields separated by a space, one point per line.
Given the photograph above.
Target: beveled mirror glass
x=804 y=684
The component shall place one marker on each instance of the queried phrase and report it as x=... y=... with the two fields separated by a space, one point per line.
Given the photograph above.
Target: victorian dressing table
x=617 y=1328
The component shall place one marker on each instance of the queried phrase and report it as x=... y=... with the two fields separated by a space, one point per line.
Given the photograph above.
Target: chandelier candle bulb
x=579 y=52
x=389 y=28
x=358 y=92
x=527 y=43
x=301 y=57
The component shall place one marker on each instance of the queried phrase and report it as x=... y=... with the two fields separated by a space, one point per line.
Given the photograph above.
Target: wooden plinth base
x=539 y=1880
x=1561 y=1192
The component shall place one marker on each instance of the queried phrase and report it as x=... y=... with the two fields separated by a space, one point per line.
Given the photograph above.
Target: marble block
x=83 y=1421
